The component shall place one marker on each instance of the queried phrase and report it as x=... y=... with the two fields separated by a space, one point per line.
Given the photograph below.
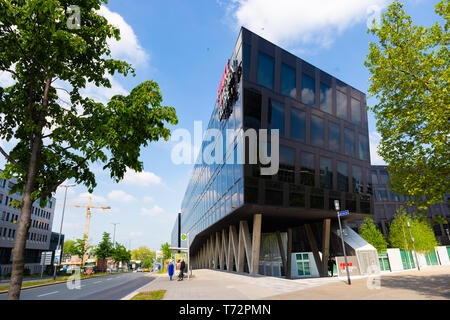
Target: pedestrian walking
x=182 y=267
x=171 y=269
x=331 y=264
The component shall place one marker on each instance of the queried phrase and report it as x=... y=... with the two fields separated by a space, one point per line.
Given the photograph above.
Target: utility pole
x=60 y=228
x=114 y=235
x=337 y=207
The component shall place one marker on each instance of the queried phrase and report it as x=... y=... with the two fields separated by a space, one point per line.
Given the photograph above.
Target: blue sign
x=343 y=213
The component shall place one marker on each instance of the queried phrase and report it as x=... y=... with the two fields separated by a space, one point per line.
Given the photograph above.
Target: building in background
x=387 y=202
x=285 y=224
x=40 y=232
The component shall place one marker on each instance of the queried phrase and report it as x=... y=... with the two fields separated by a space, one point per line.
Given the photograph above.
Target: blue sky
x=183 y=45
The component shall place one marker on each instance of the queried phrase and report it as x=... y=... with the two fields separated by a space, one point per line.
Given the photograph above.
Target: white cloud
x=83 y=198
x=120 y=196
x=128 y=48
x=143 y=179
x=148 y=199
x=6 y=79
x=136 y=234
x=374 y=140
x=293 y=22
x=156 y=210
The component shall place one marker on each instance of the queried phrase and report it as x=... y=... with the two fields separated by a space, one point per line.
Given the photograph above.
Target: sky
x=183 y=46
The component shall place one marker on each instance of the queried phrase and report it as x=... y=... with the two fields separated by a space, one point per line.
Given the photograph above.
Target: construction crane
x=88 y=221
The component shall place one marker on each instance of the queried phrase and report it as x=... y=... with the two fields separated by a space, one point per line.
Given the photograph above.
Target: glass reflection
x=265 y=70
x=325 y=98
x=308 y=90
x=288 y=82
x=341 y=105
x=275 y=116
x=317 y=136
x=298 y=125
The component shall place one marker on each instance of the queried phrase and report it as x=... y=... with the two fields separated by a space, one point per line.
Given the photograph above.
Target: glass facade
x=266 y=65
x=298 y=125
x=317 y=163
x=288 y=82
x=308 y=90
x=275 y=116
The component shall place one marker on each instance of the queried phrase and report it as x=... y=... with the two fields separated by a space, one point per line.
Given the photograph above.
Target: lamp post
x=412 y=239
x=60 y=228
x=114 y=234
x=337 y=207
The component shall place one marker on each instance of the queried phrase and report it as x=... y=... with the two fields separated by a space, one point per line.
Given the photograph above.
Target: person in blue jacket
x=171 y=269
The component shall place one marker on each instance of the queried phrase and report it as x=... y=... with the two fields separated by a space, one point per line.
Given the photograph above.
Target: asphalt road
x=111 y=287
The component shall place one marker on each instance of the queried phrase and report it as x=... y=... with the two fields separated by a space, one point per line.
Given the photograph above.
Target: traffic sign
x=343 y=213
x=46 y=258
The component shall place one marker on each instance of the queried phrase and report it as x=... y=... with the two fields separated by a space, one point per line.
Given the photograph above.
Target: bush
x=26 y=272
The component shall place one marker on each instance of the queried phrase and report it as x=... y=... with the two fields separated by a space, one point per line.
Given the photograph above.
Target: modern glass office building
x=324 y=156
x=387 y=202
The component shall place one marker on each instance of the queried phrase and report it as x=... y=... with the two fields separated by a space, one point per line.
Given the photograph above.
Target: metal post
x=412 y=239
x=60 y=228
x=114 y=235
x=188 y=254
x=343 y=247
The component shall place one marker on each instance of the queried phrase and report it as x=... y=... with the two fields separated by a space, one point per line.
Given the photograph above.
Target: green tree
x=57 y=140
x=372 y=235
x=167 y=253
x=410 y=77
x=105 y=248
x=121 y=254
x=145 y=255
x=399 y=237
x=78 y=248
x=68 y=247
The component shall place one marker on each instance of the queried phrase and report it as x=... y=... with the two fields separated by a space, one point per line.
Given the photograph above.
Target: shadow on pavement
x=438 y=285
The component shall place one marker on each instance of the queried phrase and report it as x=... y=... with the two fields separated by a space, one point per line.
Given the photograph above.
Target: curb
x=52 y=283
x=135 y=292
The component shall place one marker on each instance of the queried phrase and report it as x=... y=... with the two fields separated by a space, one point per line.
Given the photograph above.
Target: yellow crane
x=88 y=221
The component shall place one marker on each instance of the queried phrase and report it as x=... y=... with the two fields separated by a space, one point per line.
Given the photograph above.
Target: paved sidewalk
x=221 y=285
x=429 y=283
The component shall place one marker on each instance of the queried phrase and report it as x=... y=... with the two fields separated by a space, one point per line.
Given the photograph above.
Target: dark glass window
x=363 y=147
x=356 y=111
x=381 y=194
x=317 y=199
x=334 y=136
x=265 y=70
x=342 y=172
x=341 y=105
x=394 y=197
x=298 y=124
x=252 y=109
x=247 y=62
x=308 y=90
x=296 y=196
x=288 y=82
x=317 y=136
x=374 y=177
x=325 y=98
x=357 y=182
x=286 y=171
x=349 y=142
x=326 y=173
x=275 y=116
x=307 y=171
x=384 y=175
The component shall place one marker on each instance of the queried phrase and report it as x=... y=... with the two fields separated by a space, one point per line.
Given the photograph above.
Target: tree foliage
x=145 y=255
x=167 y=253
x=372 y=235
x=78 y=248
x=121 y=254
x=410 y=77
x=69 y=247
x=399 y=237
x=105 y=248
x=58 y=139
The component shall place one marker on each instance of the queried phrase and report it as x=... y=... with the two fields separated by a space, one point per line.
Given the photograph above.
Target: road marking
x=47 y=294
x=97 y=282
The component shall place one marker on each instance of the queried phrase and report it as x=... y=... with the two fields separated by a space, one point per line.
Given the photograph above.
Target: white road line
x=97 y=282
x=47 y=294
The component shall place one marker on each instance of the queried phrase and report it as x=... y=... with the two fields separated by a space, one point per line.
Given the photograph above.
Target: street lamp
x=337 y=208
x=412 y=239
x=60 y=228
x=114 y=235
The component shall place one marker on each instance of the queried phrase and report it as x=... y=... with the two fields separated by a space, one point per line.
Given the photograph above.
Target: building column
x=233 y=244
x=217 y=255
x=281 y=248
x=223 y=252
x=314 y=248
x=256 y=243
x=325 y=245
x=289 y=254
x=245 y=244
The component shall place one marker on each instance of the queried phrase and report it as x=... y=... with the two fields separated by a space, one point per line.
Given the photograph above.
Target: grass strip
x=151 y=295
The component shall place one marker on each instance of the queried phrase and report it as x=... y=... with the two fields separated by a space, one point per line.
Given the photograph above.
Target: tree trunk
x=24 y=226
x=27 y=203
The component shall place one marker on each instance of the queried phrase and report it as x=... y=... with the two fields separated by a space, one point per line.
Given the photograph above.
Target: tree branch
x=7 y=156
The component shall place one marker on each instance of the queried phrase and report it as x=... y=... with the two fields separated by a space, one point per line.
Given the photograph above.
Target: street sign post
x=344 y=213
x=46 y=260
